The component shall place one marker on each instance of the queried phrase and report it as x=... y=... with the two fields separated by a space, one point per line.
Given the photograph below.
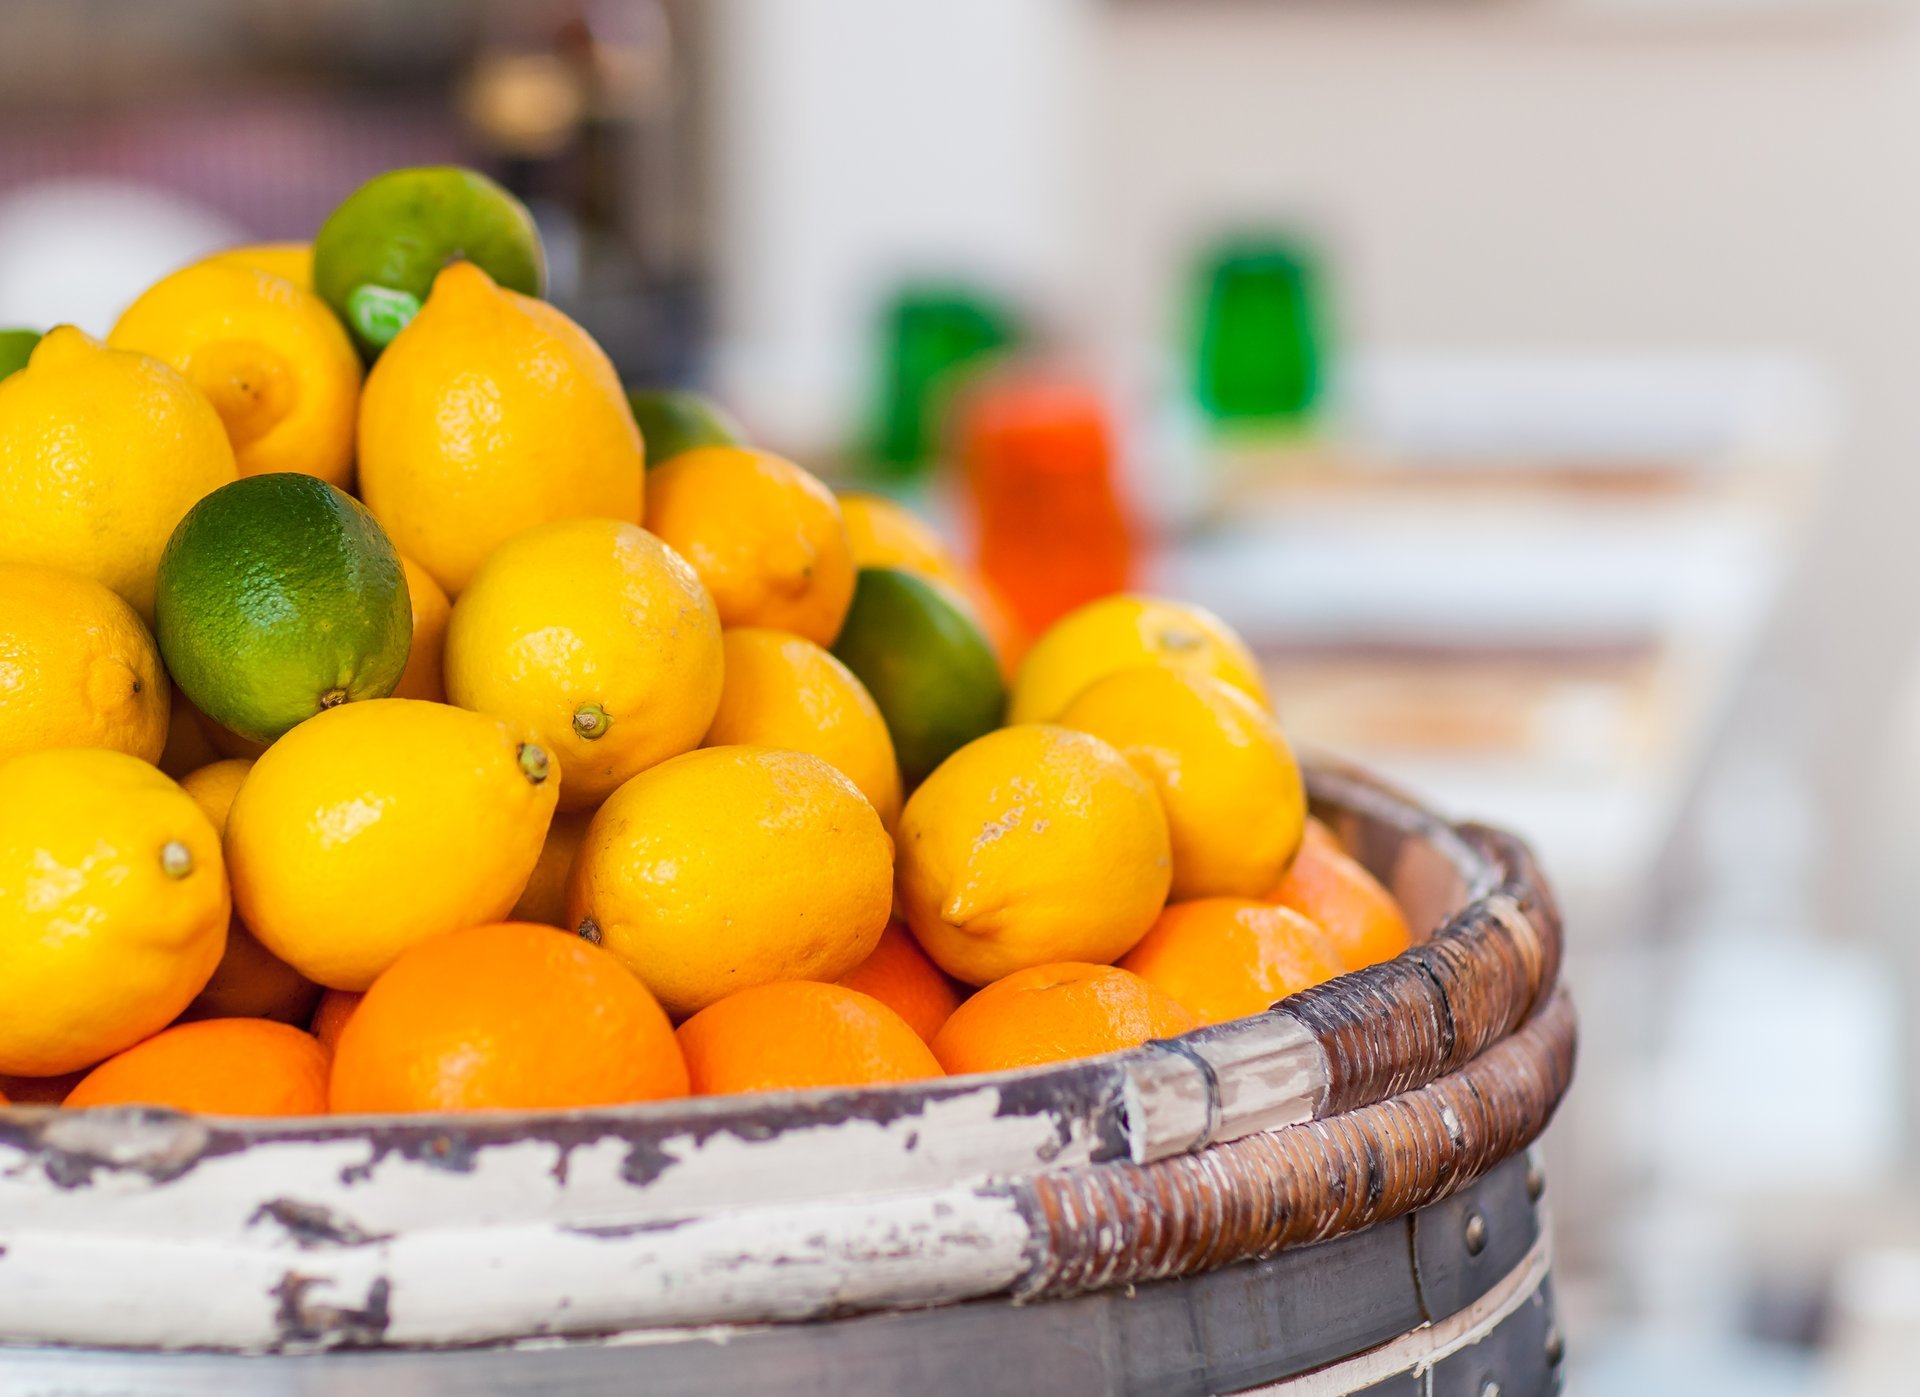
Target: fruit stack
x=396 y=714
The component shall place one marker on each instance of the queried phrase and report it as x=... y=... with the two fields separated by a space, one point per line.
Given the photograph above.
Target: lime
x=377 y=254
x=673 y=420
x=912 y=643
x=16 y=347
x=280 y=596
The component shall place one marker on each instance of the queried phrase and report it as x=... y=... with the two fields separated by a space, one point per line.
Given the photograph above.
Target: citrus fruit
x=101 y=453
x=216 y=1067
x=1120 y=632
x=77 y=668
x=270 y=357
x=188 y=746
x=331 y=1015
x=279 y=597
x=1334 y=891
x=544 y=899
x=377 y=825
x=491 y=414
x=376 y=256
x=250 y=981
x=886 y=534
x=1228 y=957
x=673 y=420
x=795 y=1035
x=765 y=536
x=1053 y=1013
x=1031 y=845
x=505 y=1017
x=1225 y=776
x=39 y=1091
x=16 y=347
x=900 y=976
x=730 y=867
x=598 y=637
x=425 y=674
x=225 y=742
x=785 y=691
x=922 y=657
x=294 y=261
x=113 y=906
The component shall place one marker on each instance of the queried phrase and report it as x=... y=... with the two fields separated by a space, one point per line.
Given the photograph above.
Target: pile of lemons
x=351 y=608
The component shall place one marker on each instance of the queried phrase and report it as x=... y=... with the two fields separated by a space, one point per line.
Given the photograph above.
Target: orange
x=505 y=1017
x=766 y=537
x=38 y=1091
x=219 y=1067
x=1228 y=957
x=425 y=674
x=798 y=1034
x=900 y=976
x=1329 y=887
x=330 y=1019
x=1052 y=1013
x=545 y=898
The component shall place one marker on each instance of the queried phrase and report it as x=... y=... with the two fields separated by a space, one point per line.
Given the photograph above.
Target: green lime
x=376 y=256
x=922 y=657
x=673 y=420
x=16 y=347
x=280 y=596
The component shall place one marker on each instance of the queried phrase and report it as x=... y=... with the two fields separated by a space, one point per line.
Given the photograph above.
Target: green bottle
x=1260 y=341
x=928 y=332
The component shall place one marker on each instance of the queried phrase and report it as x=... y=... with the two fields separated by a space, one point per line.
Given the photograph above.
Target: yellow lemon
x=597 y=636
x=250 y=981
x=425 y=674
x=275 y=364
x=294 y=261
x=1031 y=845
x=77 y=669
x=730 y=867
x=491 y=413
x=766 y=537
x=886 y=534
x=784 y=691
x=1120 y=632
x=375 y=825
x=545 y=898
x=1235 y=803
x=113 y=906
x=101 y=453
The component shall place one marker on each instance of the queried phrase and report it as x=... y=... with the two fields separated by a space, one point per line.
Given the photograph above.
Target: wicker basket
x=1339 y=1188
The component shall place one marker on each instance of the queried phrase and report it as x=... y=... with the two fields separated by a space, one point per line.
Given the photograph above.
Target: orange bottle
x=1037 y=451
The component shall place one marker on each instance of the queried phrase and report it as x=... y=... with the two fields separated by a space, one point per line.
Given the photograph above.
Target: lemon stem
x=590 y=720
x=176 y=859
x=533 y=761
x=589 y=930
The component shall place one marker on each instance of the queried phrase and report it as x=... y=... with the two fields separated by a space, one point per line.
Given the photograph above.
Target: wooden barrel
x=1335 y=1196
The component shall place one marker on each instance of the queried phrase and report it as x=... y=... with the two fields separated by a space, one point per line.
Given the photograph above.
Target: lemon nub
x=533 y=761
x=176 y=859
x=590 y=721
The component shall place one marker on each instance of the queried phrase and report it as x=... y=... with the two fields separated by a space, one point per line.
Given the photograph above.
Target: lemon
x=294 y=261
x=597 y=636
x=270 y=357
x=250 y=982
x=425 y=674
x=730 y=867
x=544 y=899
x=886 y=534
x=673 y=420
x=376 y=825
x=765 y=536
x=279 y=596
x=1030 y=845
x=101 y=453
x=77 y=669
x=113 y=906
x=491 y=413
x=1120 y=632
x=376 y=256
x=784 y=691
x=924 y=660
x=1235 y=803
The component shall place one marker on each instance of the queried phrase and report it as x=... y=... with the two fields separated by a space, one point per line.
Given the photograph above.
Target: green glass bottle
x=1260 y=333
x=928 y=333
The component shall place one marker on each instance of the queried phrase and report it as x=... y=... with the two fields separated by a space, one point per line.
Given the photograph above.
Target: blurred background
x=1530 y=381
